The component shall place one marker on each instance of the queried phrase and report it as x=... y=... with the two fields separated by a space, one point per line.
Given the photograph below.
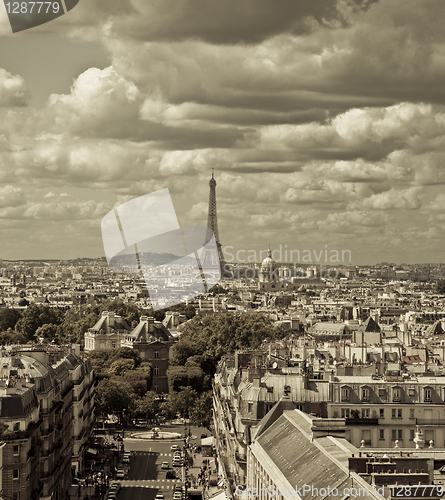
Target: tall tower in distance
x=212 y=223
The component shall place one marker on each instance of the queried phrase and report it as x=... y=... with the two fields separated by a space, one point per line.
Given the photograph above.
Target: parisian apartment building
x=47 y=417
x=383 y=403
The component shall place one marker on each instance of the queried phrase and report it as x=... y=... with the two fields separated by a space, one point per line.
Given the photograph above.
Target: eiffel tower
x=212 y=225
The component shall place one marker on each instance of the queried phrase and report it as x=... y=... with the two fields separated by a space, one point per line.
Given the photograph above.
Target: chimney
x=256 y=381
x=111 y=319
x=150 y=324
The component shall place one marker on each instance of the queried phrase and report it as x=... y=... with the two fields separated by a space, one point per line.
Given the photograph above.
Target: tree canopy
x=206 y=339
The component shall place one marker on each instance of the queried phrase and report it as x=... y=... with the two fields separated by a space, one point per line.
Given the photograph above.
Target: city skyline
x=324 y=122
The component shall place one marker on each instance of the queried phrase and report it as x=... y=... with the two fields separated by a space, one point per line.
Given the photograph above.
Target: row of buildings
x=379 y=407
x=47 y=418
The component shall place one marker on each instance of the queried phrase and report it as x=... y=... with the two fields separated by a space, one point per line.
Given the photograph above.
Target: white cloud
x=13 y=90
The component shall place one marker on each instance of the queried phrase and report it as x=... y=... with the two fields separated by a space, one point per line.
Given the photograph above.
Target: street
x=146 y=479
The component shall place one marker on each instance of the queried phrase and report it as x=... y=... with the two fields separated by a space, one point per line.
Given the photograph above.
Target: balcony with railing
x=430 y=421
x=362 y=421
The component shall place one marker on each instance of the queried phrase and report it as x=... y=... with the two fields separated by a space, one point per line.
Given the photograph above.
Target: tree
x=213 y=336
x=120 y=366
x=48 y=331
x=183 y=350
x=441 y=287
x=114 y=396
x=36 y=316
x=183 y=400
x=148 y=405
x=202 y=412
x=182 y=376
x=8 y=318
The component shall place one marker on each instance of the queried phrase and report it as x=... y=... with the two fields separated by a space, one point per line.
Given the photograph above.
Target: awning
x=207 y=441
x=92 y=451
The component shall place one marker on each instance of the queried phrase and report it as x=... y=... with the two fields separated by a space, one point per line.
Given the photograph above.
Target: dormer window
x=396 y=395
x=427 y=395
x=365 y=393
x=345 y=394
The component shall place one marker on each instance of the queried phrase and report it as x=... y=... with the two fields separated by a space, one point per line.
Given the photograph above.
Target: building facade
x=47 y=416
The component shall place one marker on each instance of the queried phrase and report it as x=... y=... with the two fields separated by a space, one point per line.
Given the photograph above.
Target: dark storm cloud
x=230 y=21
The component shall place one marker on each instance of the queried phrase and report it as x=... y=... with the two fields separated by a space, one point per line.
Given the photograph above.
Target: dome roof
x=269 y=261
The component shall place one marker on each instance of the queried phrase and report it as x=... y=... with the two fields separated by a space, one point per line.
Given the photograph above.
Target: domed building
x=268 y=267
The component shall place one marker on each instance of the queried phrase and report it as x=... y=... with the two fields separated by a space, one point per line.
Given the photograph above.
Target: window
x=270 y=390
x=396 y=395
x=365 y=394
x=156 y=354
x=16 y=495
x=365 y=412
x=113 y=344
x=382 y=393
x=156 y=370
x=411 y=392
x=156 y=387
x=382 y=434
x=397 y=434
x=411 y=434
x=15 y=474
x=427 y=396
x=16 y=449
x=249 y=407
x=17 y=426
x=396 y=413
x=345 y=394
x=345 y=413
x=382 y=413
x=429 y=436
x=411 y=413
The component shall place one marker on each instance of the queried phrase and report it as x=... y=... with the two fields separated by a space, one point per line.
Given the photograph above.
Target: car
x=213 y=482
x=177 y=495
x=170 y=474
x=177 y=488
x=126 y=459
x=165 y=465
x=115 y=485
x=203 y=435
x=120 y=473
x=112 y=495
x=159 y=496
x=175 y=447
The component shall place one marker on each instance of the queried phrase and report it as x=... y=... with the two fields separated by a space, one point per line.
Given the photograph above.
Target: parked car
x=177 y=488
x=177 y=495
x=213 y=482
x=165 y=465
x=203 y=435
x=141 y=423
x=126 y=459
x=175 y=447
x=159 y=496
x=120 y=474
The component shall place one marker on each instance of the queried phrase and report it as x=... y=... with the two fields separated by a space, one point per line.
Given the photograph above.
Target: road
x=146 y=478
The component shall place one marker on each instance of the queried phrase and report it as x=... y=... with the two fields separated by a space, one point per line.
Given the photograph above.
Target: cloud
x=393 y=199
x=13 y=90
x=11 y=196
x=67 y=210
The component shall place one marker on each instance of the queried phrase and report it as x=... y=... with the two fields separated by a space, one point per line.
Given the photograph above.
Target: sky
x=324 y=122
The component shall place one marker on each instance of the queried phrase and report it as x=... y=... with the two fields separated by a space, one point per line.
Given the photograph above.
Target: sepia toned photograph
x=222 y=250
